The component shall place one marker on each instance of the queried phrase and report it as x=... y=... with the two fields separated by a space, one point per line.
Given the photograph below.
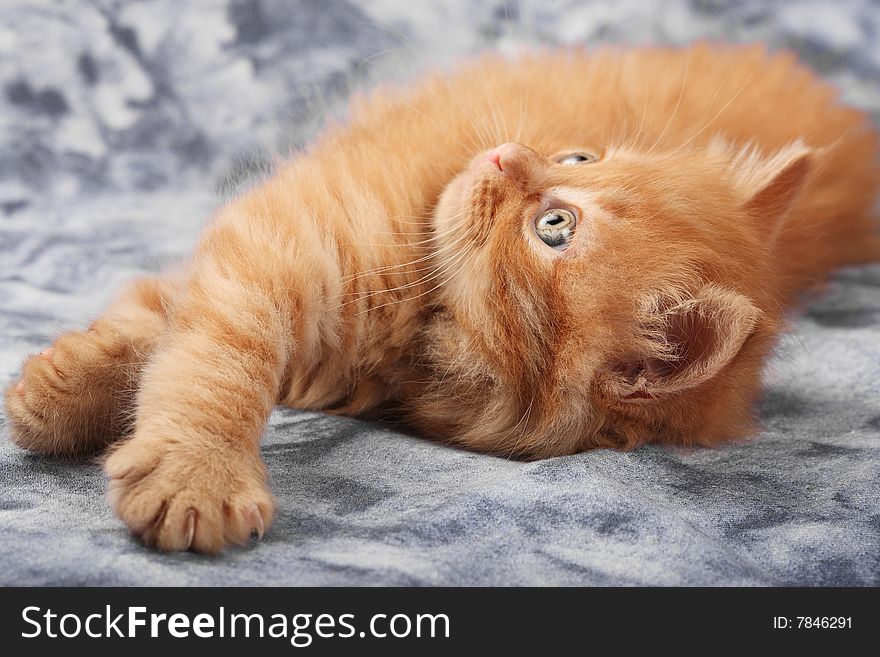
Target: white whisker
x=684 y=80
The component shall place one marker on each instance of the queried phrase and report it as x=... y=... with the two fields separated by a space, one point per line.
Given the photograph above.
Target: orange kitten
x=530 y=258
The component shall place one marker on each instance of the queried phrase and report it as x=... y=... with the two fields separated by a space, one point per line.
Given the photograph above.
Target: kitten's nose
x=514 y=160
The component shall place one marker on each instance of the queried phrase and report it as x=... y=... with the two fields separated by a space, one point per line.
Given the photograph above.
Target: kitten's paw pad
x=67 y=398
x=176 y=496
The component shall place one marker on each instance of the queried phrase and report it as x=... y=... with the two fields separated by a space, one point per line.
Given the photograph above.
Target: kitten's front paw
x=178 y=495
x=72 y=397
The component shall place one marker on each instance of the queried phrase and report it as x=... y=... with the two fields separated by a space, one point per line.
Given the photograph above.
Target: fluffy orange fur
x=394 y=267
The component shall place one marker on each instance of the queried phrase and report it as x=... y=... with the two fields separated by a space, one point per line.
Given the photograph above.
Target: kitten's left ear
x=771 y=185
x=686 y=343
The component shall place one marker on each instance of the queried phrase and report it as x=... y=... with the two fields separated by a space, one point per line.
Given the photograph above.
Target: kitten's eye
x=556 y=227
x=577 y=158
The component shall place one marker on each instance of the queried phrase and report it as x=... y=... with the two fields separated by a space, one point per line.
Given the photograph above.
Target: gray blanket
x=122 y=122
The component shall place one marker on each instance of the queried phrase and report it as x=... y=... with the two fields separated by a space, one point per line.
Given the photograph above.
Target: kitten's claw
x=120 y=472
x=257 y=526
x=190 y=527
x=207 y=509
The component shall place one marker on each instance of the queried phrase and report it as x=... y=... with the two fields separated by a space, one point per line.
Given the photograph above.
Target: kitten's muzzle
x=516 y=162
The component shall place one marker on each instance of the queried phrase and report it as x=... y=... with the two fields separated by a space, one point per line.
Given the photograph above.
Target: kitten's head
x=604 y=298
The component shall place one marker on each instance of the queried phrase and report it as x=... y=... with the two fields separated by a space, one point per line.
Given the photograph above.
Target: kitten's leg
x=191 y=476
x=76 y=396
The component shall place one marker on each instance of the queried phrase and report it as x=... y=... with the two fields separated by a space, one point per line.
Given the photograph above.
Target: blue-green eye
x=577 y=158
x=555 y=227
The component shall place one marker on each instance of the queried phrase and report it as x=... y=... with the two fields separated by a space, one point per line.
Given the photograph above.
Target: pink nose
x=514 y=160
x=507 y=155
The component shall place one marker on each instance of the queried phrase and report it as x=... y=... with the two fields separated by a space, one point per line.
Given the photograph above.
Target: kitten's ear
x=685 y=344
x=771 y=185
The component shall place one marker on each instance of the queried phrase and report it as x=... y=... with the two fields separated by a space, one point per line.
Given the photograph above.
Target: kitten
x=530 y=258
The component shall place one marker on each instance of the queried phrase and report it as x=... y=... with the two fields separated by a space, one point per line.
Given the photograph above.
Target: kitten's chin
x=456 y=198
x=453 y=201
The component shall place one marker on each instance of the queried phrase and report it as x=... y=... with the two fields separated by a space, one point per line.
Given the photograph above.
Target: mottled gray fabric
x=121 y=122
